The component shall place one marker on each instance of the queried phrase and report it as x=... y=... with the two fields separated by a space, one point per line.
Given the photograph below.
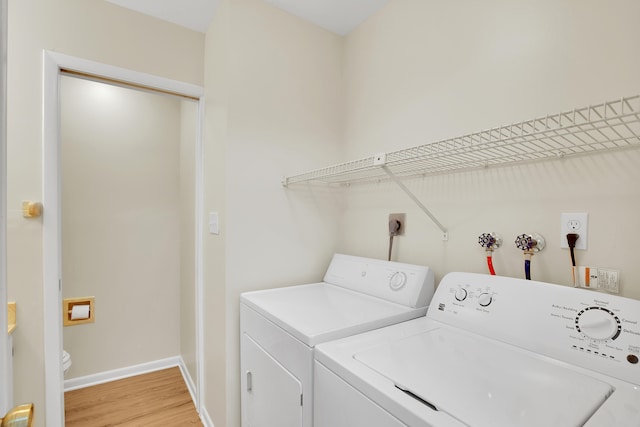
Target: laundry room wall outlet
x=574 y=223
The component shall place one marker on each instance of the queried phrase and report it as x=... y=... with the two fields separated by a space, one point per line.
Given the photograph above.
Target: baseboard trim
x=188 y=380
x=206 y=419
x=130 y=371
x=204 y=415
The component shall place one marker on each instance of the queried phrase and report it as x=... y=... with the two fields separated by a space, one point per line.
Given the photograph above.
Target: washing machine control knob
x=397 y=280
x=484 y=299
x=461 y=294
x=598 y=324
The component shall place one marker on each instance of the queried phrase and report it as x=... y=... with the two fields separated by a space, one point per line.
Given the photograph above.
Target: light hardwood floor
x=159 y=398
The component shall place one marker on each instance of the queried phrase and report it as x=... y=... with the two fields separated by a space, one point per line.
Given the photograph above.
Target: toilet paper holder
x=78 y=311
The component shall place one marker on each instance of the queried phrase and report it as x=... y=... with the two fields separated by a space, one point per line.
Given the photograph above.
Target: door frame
x=53 y=64
x=6 y=388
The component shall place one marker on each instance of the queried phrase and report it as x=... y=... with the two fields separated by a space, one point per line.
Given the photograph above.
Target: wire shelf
x=608 y=126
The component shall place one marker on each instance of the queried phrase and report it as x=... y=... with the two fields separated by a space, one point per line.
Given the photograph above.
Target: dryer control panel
x=407 y=284
x=594 y=330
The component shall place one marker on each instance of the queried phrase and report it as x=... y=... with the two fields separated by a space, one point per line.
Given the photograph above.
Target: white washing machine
x=280 y=328
x=491 y=352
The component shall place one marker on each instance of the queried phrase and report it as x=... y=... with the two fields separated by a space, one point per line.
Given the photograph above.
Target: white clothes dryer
x=491 y=352
x=280 y=327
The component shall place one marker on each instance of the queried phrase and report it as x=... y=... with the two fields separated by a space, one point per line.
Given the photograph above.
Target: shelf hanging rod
x=445 y=233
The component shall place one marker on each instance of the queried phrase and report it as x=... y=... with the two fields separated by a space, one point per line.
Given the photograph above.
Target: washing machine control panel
x=598 y=324
x=468 y=297
x=595 y=330
x=603 y=328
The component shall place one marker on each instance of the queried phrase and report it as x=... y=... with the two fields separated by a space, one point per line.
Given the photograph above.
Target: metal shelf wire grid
x=611 y=125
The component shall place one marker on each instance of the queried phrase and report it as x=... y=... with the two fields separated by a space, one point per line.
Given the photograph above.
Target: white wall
x=214 y=199
x=278 y=110
x=85 y=29
x=122 y=203
x=419 y=71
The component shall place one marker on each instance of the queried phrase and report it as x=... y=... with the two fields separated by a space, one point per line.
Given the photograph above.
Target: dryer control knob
x=397 y=280
x=461 y=294
x=484 y=299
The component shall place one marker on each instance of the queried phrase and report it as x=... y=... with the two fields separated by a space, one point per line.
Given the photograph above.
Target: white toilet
x=66 y=362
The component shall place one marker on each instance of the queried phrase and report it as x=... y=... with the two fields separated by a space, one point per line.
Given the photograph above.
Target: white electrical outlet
x=573 y=223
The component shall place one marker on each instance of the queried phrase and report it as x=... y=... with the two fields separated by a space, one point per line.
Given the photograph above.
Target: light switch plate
x=214 y=223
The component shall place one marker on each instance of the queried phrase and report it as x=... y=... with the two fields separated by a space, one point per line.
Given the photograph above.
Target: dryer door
x=271 y=395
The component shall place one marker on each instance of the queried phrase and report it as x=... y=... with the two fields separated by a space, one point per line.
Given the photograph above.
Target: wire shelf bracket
x=445 y=233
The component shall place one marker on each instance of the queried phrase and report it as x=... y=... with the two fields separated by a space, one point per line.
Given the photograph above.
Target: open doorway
x=121 y=224
x=127 y=225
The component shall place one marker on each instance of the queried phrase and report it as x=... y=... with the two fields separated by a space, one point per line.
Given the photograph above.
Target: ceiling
x=338 y=16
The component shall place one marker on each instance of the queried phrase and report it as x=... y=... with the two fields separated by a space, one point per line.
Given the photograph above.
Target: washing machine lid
x=485 y=383
x=322 y=312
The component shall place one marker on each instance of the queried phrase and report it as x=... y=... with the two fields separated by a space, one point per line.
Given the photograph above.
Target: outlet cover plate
x=574 y=223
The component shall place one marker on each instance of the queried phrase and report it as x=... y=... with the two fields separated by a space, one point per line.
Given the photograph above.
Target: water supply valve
x=530 y=243
x=490 y=241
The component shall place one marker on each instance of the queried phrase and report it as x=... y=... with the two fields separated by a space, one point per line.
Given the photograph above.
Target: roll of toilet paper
x=79 y=312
